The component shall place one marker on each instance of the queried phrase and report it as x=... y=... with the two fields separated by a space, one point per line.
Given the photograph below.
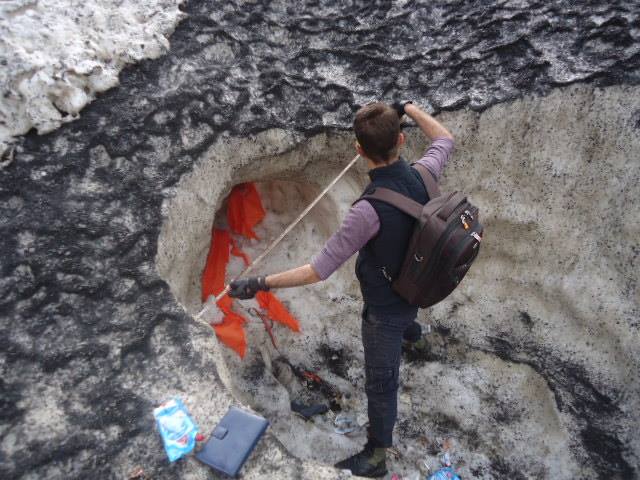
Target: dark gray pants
x=382 y=335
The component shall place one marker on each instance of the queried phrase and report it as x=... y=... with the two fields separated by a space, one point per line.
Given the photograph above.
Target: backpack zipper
x=462 y=244
x=464 y=222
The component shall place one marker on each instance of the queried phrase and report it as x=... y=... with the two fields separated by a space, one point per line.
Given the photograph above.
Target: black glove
x=247 y=288
x=399 y=107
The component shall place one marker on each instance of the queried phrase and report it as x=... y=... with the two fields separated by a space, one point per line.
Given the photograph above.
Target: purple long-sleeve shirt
x=361 y=223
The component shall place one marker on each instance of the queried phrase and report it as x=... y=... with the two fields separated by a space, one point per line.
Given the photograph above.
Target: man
x=380 y=233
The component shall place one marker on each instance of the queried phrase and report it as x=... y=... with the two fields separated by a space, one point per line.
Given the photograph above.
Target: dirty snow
x=56 y=55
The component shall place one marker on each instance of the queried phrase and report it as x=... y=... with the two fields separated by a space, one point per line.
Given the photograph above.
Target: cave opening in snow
x=510 y=349
x=329 y=313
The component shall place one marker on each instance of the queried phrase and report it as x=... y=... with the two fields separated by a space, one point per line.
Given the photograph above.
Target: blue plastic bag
x=177 y=429
x=446 y=473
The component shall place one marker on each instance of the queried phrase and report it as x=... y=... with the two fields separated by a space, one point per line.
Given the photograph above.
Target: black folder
x=232 y=441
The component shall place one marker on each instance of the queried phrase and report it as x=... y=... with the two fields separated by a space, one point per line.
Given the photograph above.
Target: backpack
x=445 y=241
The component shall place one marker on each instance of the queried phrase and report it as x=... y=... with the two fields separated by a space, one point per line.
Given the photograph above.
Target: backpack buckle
x=418 y=258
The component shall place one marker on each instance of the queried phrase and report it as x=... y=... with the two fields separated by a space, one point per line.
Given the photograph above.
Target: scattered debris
x=447 y=444
x=363 y=419
x=137 y=474
x=177 y=429
x=283 y=371
x=446 y=473
x=313 y=381
x=308 y=411
x=336 y=359
x=268 y=324
x=345 y=424
x=395 y=452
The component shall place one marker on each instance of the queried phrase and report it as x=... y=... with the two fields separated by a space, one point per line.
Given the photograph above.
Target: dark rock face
x=80 y=208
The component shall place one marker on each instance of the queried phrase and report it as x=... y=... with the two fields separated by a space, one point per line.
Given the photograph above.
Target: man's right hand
x=399 y=107
x=247 y=288
x=429 y=125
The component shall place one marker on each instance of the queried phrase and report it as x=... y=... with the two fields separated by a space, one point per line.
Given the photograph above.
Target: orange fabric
x=230 y=331
x=235 y=251
x=276 y=310
x=216 y=267
x=244 y=210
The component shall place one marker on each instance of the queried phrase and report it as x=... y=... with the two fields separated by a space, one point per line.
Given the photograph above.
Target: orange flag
x=235 y=251
x=244 y=210
x=230 y=331
x=276 y=310
x=216 y=267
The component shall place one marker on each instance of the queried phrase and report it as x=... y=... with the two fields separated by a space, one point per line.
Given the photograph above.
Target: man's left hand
x=247 y=288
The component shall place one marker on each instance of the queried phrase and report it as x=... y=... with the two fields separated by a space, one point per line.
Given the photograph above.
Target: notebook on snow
x=232 y=441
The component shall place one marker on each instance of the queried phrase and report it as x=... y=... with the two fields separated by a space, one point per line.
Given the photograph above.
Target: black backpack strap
x=429 y=181
x=395 y=199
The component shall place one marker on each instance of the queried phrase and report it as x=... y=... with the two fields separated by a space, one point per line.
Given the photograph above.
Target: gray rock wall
x=91 y=337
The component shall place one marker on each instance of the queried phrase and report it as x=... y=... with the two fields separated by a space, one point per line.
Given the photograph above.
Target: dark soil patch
x=254 y=372
x=410 y=428
x=427 y=354
x=506 y=412
x=502 y=469
x=575 y=392
x=445 y=424
x=336 y=359
x=440 y=347
x=526 y=319
x=610 y=449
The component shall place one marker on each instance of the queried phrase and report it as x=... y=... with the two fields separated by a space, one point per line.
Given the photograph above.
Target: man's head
x=377 y=129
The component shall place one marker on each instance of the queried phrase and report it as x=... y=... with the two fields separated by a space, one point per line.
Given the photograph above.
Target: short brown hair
x=377 y=127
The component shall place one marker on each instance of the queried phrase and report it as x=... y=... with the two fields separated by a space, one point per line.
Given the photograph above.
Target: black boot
x=421 y=345
x=370 y=462
x=419 y=351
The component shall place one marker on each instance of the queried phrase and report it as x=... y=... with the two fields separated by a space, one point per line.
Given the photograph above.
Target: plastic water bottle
x=446 y=473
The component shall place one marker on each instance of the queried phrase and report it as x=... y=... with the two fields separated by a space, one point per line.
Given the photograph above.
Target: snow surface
x=55 y=55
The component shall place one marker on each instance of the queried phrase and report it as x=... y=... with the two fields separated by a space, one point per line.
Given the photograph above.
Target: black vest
x=381 y=258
